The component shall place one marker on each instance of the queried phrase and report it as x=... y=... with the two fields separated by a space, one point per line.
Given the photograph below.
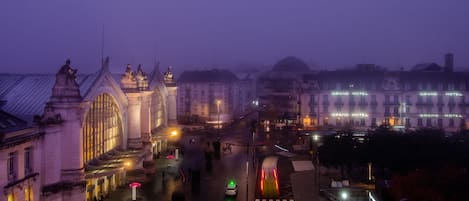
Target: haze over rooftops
x=291 y=64
x=214 y=75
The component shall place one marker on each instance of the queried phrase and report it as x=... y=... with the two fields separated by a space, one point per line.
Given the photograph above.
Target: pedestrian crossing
x=274 y=200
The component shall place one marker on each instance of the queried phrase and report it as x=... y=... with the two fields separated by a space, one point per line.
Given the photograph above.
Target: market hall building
x=73 y=136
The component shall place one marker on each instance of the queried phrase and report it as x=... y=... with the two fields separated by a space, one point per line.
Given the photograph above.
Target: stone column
x=71 y=141
x=146 y=125
x=171 y=105
x=133 y=121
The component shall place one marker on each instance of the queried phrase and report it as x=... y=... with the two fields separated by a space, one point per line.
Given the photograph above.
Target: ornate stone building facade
x=73 y=137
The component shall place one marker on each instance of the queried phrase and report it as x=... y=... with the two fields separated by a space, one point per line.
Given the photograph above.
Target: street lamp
x=344 y=195
x=218 y=113
x=316 y=137
x=174 y=133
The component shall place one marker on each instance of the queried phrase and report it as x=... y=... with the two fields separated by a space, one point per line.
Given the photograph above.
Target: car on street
x=231 y=188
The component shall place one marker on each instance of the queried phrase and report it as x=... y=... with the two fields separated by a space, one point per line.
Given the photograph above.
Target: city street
x=230 y=167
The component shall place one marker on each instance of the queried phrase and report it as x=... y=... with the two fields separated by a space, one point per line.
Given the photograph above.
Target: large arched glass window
x=157 y=111
x=102 y=129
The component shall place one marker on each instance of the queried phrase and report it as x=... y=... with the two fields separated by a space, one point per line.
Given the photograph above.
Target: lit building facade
x=212 y=96
x=73 y=137
x=366 y=97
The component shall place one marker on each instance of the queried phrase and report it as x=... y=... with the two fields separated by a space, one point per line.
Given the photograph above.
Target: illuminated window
x=157 y=111
x=326 y=121
x=28 y=193
x=102 y=130
x=12 y=197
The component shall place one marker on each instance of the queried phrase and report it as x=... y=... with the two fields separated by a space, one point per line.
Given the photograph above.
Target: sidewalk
x=155 y=188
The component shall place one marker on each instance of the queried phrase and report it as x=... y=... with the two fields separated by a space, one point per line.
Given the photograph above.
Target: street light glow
x=315 y=137
x=344 y=195
x=174 y=133
x=127 y=164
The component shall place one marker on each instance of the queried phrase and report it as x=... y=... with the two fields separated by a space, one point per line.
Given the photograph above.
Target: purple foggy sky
x=37 y=36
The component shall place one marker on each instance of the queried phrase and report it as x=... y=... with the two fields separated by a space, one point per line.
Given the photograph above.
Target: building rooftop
x=291 y=64
x=25 y=95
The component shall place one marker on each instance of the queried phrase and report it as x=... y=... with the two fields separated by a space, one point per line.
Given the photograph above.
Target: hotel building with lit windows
x=73 y=136
x=366 y=97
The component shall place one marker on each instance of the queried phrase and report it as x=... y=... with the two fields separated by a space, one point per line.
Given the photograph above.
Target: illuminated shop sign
x=428 y=93
x=359 y=93
x=428 y=115
x=453 y=93
x=346 y=93
x=453 y=116
x=342 y=114
x=340 y=93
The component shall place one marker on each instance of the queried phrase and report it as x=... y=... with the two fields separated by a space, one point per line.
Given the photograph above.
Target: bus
x=269 y=178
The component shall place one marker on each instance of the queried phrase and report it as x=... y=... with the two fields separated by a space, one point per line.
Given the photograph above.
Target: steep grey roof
x=25 y=95
x=215 y=75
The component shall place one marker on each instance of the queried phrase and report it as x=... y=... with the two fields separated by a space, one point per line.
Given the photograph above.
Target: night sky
x=38 y=36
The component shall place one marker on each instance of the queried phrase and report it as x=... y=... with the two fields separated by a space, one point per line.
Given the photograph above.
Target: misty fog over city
x=215 y=34
x=213 y=100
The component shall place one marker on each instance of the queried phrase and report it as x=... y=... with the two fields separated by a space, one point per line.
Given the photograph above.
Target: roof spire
x=105 y=65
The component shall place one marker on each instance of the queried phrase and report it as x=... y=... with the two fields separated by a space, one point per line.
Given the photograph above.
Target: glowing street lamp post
x=174 y=133
x=316 y=139
x=134 y=186
x=218 y=113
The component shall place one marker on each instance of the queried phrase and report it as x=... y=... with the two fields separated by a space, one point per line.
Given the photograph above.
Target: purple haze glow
x=37 y=36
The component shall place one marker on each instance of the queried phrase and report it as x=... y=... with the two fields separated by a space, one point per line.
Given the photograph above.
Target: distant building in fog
x=428 y=95
x=212 y=95
x=367 y=96
x=278 y=91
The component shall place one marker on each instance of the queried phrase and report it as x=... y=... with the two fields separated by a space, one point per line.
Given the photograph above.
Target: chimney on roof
x=449 y=62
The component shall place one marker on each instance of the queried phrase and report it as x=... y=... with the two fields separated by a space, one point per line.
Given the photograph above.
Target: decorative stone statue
x=66 y=88
x=141 y=77
x=168 y=75
x=128 y=79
